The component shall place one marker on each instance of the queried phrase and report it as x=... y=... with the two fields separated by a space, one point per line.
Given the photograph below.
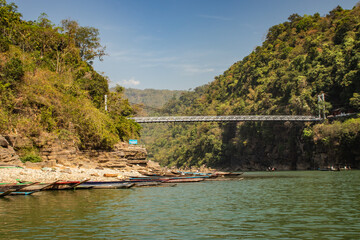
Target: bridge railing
x=234 y=118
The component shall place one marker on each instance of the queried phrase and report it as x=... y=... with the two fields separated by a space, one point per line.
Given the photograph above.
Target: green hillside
x=300 y=58
x=49 y=89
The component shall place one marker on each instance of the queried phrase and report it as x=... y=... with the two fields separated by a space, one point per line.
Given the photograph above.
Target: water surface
x=275 y=205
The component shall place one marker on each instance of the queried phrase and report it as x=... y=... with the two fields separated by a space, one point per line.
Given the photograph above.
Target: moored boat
x=65 y=185
x=184 y=180
x=194 y=174
x=15 y=186
x=17 y=193
x=166 y=179
x=106 y=185
x=228 y=174
x=148 y=179
x=147 y=184
x=16 y=190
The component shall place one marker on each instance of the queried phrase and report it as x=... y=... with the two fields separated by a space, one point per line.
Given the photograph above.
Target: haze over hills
x=151 y=97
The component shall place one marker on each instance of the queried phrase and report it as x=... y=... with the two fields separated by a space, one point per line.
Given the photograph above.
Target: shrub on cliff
x=48 y=84
x=31 y=158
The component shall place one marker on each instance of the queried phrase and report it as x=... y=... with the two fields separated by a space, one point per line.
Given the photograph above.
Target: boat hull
x=19 y=193
x=105 y=185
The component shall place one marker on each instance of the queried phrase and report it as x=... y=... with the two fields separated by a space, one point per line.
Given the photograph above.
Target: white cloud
x=130 y=82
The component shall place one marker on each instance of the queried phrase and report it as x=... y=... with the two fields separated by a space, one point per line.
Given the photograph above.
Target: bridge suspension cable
x=234 y=118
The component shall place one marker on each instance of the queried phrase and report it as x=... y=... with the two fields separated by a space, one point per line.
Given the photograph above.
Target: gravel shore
x=47 y=175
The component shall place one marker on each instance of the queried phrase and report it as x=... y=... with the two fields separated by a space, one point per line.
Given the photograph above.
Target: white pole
x=323 y=98
x=106 y=108
x=319 y=107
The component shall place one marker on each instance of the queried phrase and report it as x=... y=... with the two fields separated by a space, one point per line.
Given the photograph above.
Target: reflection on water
x=303 y=205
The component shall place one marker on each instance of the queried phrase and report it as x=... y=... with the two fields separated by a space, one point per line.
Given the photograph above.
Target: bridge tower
x=321 y=105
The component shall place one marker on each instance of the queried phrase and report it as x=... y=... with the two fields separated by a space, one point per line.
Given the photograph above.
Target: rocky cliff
x=54 y=151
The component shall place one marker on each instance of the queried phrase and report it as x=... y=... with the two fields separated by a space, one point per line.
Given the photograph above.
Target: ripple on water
x=284 y=205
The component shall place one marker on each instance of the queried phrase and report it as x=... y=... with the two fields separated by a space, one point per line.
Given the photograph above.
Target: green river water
x=265 y=205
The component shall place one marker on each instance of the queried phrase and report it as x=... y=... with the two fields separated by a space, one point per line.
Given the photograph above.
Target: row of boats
x=28 y=188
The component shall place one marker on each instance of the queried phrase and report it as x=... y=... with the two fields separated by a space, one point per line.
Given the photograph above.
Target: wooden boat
x=195 y=174
x=148 y=179
x=16 y=190
x=2 y=194
x=15 y=186
x=165 y=179
x=39 y=187
x=147 y=184
x=32 y=187
x=101 y=182
x=184 y=180
x=106 y=185
x=228 y=174
x=65 y=185
x=136 y=183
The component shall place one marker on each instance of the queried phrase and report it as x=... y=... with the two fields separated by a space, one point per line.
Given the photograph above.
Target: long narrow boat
x=106 y=185
x=122 y=184
x=15 y=186
x=16 y=193
x=228 y=174
x=194 y=174
x=184 y=180
x=39 y=187
x=66 y=185
x=16 y=190
x=102 y=182
x=147 y=184
x=166 y=179
x=148 y=179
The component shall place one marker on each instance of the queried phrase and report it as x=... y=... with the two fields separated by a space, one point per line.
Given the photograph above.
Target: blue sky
x=174 y=44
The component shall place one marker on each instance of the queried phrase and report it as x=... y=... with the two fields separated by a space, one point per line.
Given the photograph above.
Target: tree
x=355 y=101
x=86 y=39
x=9 y=17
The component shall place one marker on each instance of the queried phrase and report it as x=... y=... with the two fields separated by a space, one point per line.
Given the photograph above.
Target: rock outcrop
x=7 y=152
x=54 y=152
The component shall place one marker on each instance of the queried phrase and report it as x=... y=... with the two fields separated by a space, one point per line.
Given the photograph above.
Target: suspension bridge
x=234 y=118
x=239 y=118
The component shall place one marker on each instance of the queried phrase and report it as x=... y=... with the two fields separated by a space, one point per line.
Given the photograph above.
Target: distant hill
x=151 y=97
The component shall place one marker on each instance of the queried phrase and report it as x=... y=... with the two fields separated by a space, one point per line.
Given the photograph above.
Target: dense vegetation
x=49 y=89
x=300 y=59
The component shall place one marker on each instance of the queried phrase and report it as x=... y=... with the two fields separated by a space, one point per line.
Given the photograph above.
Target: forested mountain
x=300 y=59
x=151 y=97
x=49 y=89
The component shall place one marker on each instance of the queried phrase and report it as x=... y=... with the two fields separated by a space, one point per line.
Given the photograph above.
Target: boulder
x=33 y=165
x=3 y=142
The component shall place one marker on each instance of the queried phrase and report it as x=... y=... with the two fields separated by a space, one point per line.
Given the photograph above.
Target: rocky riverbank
x=62 y=160
x=47 y=175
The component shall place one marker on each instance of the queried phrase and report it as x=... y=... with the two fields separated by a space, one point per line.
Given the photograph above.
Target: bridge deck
x=234 y=118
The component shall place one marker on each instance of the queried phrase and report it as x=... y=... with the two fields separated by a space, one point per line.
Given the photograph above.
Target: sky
x=174 y=44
